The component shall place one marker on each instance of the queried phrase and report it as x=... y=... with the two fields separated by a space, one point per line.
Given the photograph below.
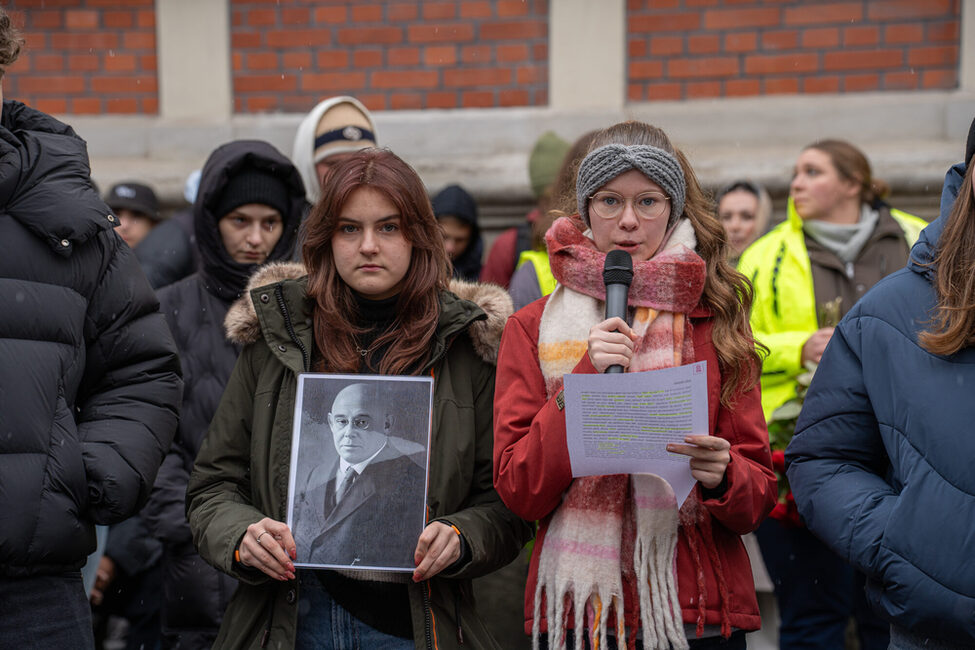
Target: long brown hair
x=852 y=165
x=418 y=304
x=727 y=293
x=953 y=323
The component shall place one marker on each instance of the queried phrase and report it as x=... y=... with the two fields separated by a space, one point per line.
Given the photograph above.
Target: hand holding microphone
x=611 y=342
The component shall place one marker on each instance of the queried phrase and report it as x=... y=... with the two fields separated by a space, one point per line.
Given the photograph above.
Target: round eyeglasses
x=610 y=205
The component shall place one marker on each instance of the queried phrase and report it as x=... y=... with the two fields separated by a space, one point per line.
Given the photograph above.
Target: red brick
x=370 y=35
x=512 y=31
x=83 y=62
x=264 y=83
x=408 y=79
x=47 y=62
x=236 y=18
x=139 y=40
x=512 y=53
x=440 y=55
x=742 y=87
x=262 y=17
x=441 y=100
x=664 y=91
x=636 y=48
x=439 y=10
x=781 y=64
x=635 y=93
x=401 y=12
x=118 y=19
x=860 y=36
x=702 y=89
x=115 y=3
x=133 y=84
x=908 y=9
x=261 y=103
x=540 y=97
x=702 y=68
x=861 y=82
x=333 y=81
x=81 y=19
x=704 y=44
x=476 y=54
x=295 y=16
x=664 y=23
x=128 y=105
x=941 y=79
x=932 y=56
x=513 y=97
x=510 y=8
x=238 y=104
x=820 y=37
x=526 y=75
x=740 y=42
x=48 y=3
x=298 y=38
x=646 y=69
x=406 y=101
x=673 y=4
x=367 y=58
x=901 y=80
x=51 y=105
x=296 y=60
x=58 y=85
x=784 y=39
x=403 y=56
x=39 y=41
x=945 y=31
x=373 y=101
x=906 y=33
x=237 y=61
x=331 y=15
x=81 y=41
x=737 y=18
x=540 y=51
x=815 y=13
x=242 y=40
x=147 y=62
x=475 y=10
x=120 y=63
x=367 y=14
x=86 y=105
x=45 y=19
x=149 y=105
x=441 y=33
x=477 y=99
x=331 y=59
x=821 y=85
x=666 y=45
x=460 y=77
x=146 y=19
x=788 y=86
x=261 y=61
x=862 y=60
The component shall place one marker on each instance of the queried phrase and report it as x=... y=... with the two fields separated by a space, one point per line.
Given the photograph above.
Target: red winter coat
x=532 y=471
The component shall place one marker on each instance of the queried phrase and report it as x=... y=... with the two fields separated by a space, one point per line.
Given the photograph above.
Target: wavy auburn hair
x=418 y=304
x=727 y=293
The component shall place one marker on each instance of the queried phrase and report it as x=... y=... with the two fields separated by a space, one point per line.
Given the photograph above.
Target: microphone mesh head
x=618 y=268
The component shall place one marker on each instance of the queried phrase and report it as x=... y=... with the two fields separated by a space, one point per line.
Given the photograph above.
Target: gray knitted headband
x=606 y=163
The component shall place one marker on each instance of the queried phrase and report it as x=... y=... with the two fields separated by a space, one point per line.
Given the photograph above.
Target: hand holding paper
x=709 y=456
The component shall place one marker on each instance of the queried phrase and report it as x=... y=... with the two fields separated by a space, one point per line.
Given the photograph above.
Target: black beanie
x=970 y=144
x=253 y=186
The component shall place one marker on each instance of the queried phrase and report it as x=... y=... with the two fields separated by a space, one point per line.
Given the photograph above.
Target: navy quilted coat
x=89 y=376
x=881 y=464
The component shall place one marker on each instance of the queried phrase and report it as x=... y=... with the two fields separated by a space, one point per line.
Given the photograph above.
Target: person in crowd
x=247 y=212
x=456 y=211
x=89 y=375
x=533 y=277
x=744 y=209
x=880 y=462
x=374 y=300
x=137 y=210
x=169 y=252
x=839 y=239
x=543 y=166
x=335 y=128
x=637 y=193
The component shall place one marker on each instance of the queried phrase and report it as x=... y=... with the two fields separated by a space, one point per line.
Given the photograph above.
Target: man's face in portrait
x=359 y=423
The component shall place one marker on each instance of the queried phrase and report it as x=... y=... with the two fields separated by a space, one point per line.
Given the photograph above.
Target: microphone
x=617 y=275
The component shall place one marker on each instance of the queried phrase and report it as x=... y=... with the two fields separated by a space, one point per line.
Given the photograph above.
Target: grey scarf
x=844 y=241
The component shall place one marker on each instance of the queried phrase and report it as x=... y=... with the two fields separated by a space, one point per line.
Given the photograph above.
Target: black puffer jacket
x=89 y=377
x=195 y=595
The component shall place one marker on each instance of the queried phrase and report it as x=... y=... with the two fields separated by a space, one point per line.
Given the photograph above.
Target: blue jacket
x=881 y=463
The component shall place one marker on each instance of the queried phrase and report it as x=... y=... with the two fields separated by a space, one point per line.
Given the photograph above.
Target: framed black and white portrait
x=359 y=463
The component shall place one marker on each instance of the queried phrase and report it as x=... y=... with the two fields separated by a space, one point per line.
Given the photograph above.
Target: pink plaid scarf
x=611 y=529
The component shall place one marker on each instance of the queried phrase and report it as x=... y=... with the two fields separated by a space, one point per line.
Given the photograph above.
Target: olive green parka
x=241 y=473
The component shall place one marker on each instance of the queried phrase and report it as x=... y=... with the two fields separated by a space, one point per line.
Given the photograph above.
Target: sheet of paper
x=622 y=423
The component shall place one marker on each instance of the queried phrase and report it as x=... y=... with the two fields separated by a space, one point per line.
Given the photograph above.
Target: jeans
x=45 y=612
x=735 y=642
x=817 y=592
x=324 y=625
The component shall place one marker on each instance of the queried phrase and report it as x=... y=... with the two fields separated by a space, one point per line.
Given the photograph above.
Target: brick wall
x=391 y=55
x=85 y=56
x=683 y=49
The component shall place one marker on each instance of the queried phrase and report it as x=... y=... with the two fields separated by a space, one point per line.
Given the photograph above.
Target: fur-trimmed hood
x=243 y=327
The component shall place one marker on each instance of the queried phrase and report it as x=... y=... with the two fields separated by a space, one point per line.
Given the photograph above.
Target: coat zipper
x=427 y=615
x=279 y=295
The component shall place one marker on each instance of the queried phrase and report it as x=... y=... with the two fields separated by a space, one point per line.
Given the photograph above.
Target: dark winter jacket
x=241 y=473
x=881 y=461
x=89 y=376
x=454 y=201
x=195 y=594
x=168 y=253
